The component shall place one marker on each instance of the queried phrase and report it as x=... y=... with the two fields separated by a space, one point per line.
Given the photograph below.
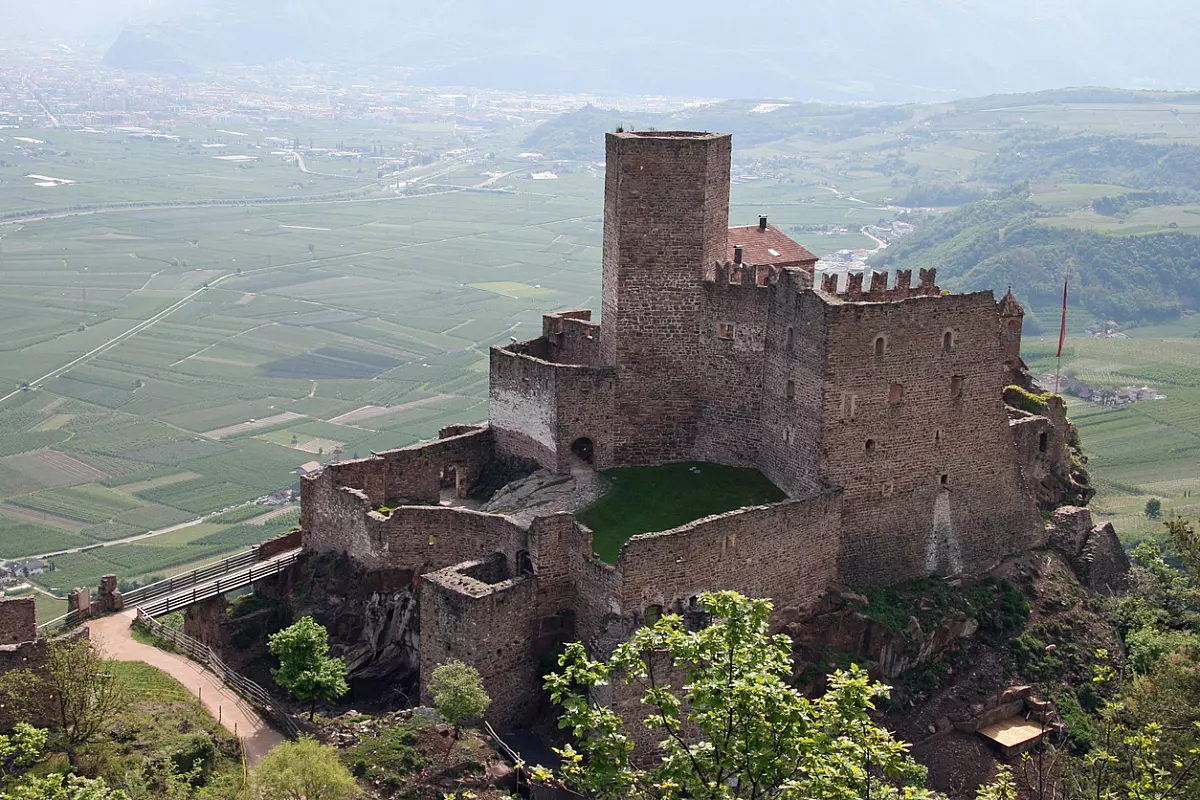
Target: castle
x=877 y=410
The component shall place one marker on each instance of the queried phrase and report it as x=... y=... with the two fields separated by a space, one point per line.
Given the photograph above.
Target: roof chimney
x=737 y=254
x=762 y=222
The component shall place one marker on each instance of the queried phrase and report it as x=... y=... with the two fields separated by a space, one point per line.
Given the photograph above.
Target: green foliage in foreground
x=20 y=751
x=303 y=770
x=646 y=499
x=458 y=694
x=305 y=668
x=758 y=737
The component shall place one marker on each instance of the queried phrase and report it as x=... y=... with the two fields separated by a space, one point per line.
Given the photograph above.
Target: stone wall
x=572 y=338
x=916 y=433
x=732 y=338
x=796 y=350
x=30 y=655
x=787 y=551
x=538 y=409
x=18 y=620
x=666 y=216
x=493 y=626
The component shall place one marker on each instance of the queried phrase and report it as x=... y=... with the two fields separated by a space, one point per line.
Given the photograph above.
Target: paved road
x=112 y=635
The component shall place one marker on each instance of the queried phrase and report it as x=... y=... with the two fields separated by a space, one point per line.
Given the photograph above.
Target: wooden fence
x=202 y=653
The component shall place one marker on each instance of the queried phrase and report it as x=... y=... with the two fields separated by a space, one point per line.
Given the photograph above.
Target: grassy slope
x=645 y=499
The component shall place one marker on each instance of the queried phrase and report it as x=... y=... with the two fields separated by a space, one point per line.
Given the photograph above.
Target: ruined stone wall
x=18 y=620
x=522 y=406
x=409 y=474
x=432 y=537
x=30 y=655
x=572 y=338
x=787 y=552
x=732 y=338
x=665 y=226
x=795 y=351
x=538 y=409
x=916 y=433
x=490 y=626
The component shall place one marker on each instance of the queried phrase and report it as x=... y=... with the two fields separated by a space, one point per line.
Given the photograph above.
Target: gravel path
x=112 y=635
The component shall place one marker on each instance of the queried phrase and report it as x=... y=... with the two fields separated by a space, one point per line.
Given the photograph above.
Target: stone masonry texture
x=878 y=412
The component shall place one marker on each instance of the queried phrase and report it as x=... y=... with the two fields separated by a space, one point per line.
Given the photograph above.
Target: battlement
x=571 y=337
x=879 y=292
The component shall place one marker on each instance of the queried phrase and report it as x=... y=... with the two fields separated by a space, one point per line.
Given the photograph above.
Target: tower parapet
x=879 y=292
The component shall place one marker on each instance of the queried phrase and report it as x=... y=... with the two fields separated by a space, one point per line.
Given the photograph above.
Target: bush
x=389 y=758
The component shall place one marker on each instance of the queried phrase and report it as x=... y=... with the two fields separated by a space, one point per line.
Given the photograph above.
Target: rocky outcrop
x=1094 y=552
x=545 y=492
x=839 y=624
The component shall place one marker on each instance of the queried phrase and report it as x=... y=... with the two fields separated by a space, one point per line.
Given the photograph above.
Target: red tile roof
x=769 y=246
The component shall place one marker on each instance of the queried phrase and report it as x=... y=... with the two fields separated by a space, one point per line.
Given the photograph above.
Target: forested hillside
x=999 y=241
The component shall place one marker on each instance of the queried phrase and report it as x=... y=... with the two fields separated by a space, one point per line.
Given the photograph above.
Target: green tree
x=20 y=750
x=303 y=770
x=458 y=693
x=729 y=723
x=1187 y=544
x=1153 y=508
x=83 y=693
x=305 y=668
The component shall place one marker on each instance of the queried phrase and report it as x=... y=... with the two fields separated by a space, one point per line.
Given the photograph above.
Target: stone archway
x=584 y=449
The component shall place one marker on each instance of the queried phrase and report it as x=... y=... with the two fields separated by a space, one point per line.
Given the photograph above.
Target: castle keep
x=878 y=410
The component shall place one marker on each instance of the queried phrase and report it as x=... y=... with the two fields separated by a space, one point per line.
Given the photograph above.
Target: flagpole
x=1062 y=335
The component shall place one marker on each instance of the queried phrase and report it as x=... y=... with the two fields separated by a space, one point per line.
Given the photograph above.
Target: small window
x=895 y=394
x=870 y=445
x=791 y=338
x=725 y=330
x=888 y=489
x=880 y=345
x=1012 y=330
x=945 y=480
x=948 y=340
x=524 y=373
x=849 y=405
x=956 y=387
x=937 y=437
x=791 y=389
x=652 y=615
x=1043 y=442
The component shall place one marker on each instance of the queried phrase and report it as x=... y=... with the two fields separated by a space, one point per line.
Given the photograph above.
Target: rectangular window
x=725 y=330
x=791 y=389
x=791 y=338
x=956 y=387
x=849 y=405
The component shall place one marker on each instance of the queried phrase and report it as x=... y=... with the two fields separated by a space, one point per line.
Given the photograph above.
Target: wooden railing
x=202 y=653
x=197 y=585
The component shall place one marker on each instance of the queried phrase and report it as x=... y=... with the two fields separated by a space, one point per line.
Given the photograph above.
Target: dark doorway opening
x=584 y=449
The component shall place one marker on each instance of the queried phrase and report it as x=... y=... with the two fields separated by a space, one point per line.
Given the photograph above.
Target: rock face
x=1093 y=551
x=838 y=624
x=545 y=492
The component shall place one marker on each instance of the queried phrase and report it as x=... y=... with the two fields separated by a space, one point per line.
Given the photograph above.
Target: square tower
x=666 y=212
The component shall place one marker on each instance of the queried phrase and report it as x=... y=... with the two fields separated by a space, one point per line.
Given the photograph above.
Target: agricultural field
x=1139 y=450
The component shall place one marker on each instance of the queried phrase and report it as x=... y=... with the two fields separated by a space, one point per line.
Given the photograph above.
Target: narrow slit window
x=791 y=338
x=524 y=373
x=956 y=387
x=948 y=340
x=791 y=389
x=1043 y=442
x=945 y=480
x=880 y=346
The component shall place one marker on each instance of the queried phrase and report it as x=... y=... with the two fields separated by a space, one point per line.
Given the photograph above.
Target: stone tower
x=1012 y=316
x=666 y=212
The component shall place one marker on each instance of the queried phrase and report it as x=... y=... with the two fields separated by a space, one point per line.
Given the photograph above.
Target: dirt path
x=112 y=635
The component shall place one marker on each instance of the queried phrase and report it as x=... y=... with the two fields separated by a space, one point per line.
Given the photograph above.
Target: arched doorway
x=452 y=482
x=584 y=449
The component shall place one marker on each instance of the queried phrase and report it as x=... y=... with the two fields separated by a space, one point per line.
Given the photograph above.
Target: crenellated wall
x=916 y=433
x=572 y=338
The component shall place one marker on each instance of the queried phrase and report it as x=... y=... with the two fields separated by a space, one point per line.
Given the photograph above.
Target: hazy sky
x=873 y=49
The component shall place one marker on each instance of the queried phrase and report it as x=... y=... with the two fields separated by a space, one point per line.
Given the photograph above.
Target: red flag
x=1062 y=333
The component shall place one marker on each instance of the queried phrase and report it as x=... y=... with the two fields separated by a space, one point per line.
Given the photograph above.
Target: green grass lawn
x=646 y=499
